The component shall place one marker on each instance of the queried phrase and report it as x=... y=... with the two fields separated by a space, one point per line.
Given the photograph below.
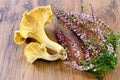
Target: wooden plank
x=13 y=64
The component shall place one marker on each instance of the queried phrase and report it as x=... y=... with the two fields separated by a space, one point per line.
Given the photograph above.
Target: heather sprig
x=73 y=63
x=67 y=42
x=100 y=50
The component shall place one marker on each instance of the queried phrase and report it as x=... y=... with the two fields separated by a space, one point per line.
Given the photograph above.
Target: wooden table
x=13 y=64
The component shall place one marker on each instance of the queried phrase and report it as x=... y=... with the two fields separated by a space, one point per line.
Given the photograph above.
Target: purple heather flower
x=95 y=30
x=87 y=16
x=78 y=23
x=104 y=40
x=99 y=30
x=68 y=52
x=77 y=54
x=90 y=19
x=75 y=30
x=81 y=22
x=101 y=43
x=87 y=55
x=78 y=34
x=74 y=49
x=110 y=48
x=68 y=24
x=91 y=65
x=75 y=27
x=82 y=36
x=99 y=37
x=73 y=63
x=92 y=29
x=67 y=63
x=72 y=13
x=83 y=15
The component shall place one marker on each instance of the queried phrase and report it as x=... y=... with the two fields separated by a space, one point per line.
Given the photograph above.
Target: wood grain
x=13 y=64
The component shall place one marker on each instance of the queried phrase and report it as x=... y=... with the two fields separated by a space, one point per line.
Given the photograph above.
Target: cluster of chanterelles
x=32 y=27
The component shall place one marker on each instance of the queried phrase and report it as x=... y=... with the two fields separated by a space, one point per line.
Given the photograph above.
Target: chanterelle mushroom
x=34 y=51
x=32 y=26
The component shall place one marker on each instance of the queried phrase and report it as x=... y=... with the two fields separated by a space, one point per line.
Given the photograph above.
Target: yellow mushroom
x=32 y=26
x=18 y=39
x=34 y=51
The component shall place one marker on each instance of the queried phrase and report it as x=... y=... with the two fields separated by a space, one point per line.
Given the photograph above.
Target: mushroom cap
x=32 y=24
